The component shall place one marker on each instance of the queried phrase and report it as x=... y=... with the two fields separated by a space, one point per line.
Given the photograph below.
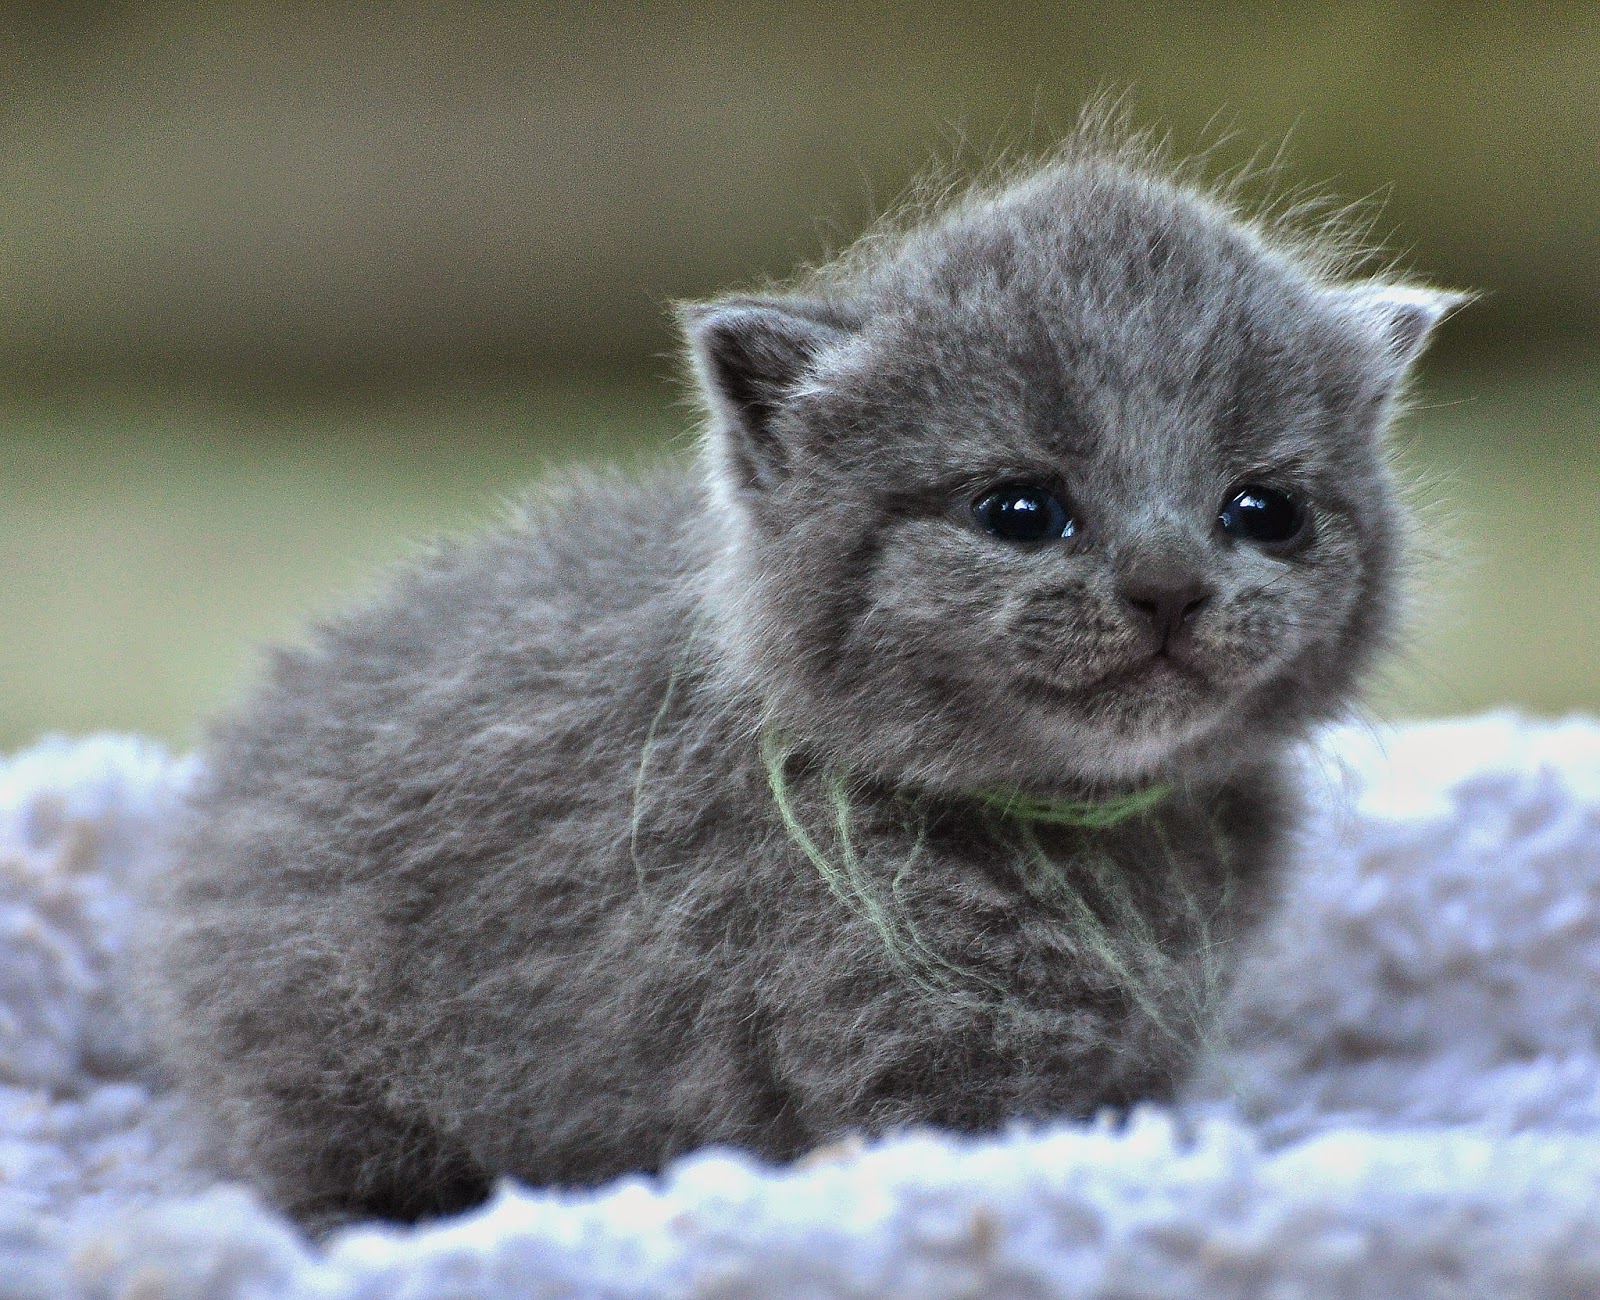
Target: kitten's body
x=666 y=816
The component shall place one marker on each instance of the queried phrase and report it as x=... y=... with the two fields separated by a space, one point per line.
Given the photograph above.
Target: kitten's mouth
x=1161 y=669
x=1154 y=679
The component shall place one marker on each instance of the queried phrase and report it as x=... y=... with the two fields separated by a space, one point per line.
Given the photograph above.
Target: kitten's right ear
x=750 y=355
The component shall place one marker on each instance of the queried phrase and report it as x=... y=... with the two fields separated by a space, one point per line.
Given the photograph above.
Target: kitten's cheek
x=1245 y=651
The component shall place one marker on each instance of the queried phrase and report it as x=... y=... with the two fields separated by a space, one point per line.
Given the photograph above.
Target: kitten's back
x=487 y=709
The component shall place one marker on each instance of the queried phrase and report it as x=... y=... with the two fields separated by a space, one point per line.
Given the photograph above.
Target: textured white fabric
x=1408 y=1103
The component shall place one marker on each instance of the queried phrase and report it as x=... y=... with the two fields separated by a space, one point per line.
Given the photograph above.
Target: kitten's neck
x=1086 y=811
x=1083 y=814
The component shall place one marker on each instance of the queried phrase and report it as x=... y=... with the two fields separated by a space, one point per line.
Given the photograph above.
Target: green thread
x=1210 y=940
x=647 y=751
x=847 y=878
x=1100 y=940
x=1122 y=944
x=1106 y=924
x=1093 y=816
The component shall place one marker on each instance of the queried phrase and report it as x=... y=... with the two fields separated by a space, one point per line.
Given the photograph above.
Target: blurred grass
x=249 y=200
x=1507 y=607
x=272 y=194
x=150 y=545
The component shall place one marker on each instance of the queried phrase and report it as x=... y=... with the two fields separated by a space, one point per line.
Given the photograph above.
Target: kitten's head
x=1079 y=482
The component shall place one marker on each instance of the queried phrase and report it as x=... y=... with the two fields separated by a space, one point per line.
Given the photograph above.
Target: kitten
x=917 y=758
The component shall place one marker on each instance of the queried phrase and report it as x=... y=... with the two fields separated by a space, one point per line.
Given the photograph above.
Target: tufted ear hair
x=1403 y=316
x=750 y=356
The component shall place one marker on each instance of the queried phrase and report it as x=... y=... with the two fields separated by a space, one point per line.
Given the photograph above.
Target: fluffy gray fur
x=493 y=877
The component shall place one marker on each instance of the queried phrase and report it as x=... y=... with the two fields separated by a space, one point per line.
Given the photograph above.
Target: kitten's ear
x=1402 y=315
x=750 y=355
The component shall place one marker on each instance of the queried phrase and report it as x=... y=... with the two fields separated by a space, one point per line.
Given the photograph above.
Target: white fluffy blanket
x=1409 y=1104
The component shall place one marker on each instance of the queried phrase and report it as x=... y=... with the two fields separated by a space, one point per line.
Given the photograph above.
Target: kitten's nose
x=1165 y=604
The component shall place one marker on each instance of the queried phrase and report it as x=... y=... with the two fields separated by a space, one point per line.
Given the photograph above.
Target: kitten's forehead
x=1132 y=278
x=1107 y=316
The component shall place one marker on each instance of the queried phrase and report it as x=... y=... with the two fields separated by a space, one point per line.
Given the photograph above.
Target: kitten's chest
x=985 y=909
x=1046 y=905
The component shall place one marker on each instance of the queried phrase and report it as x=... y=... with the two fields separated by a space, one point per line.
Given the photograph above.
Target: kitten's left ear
x=751 y=355
x=1403 y=316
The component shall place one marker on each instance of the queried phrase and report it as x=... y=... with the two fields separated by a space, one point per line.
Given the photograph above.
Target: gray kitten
x=918 y=758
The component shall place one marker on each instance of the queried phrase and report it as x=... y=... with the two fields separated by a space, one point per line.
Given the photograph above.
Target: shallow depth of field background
x=284 y=289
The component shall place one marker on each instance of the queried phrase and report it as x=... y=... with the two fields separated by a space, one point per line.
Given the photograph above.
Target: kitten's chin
x=1139 y=721
x=1165 y=680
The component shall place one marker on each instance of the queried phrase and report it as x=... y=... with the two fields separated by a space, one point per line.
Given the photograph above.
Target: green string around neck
x=848 y=879
x=1090 y=815
x=1121 y=941
x=1013 y=805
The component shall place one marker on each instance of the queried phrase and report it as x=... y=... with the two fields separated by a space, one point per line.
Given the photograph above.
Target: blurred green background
x=286 y=288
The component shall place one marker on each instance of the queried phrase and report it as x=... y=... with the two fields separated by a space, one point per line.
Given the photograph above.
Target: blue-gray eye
x=1023 y=512
x=1262 y=514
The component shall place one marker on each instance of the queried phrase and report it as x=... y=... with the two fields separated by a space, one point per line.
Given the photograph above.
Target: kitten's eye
x=1023 y=512
x=1262 y=514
